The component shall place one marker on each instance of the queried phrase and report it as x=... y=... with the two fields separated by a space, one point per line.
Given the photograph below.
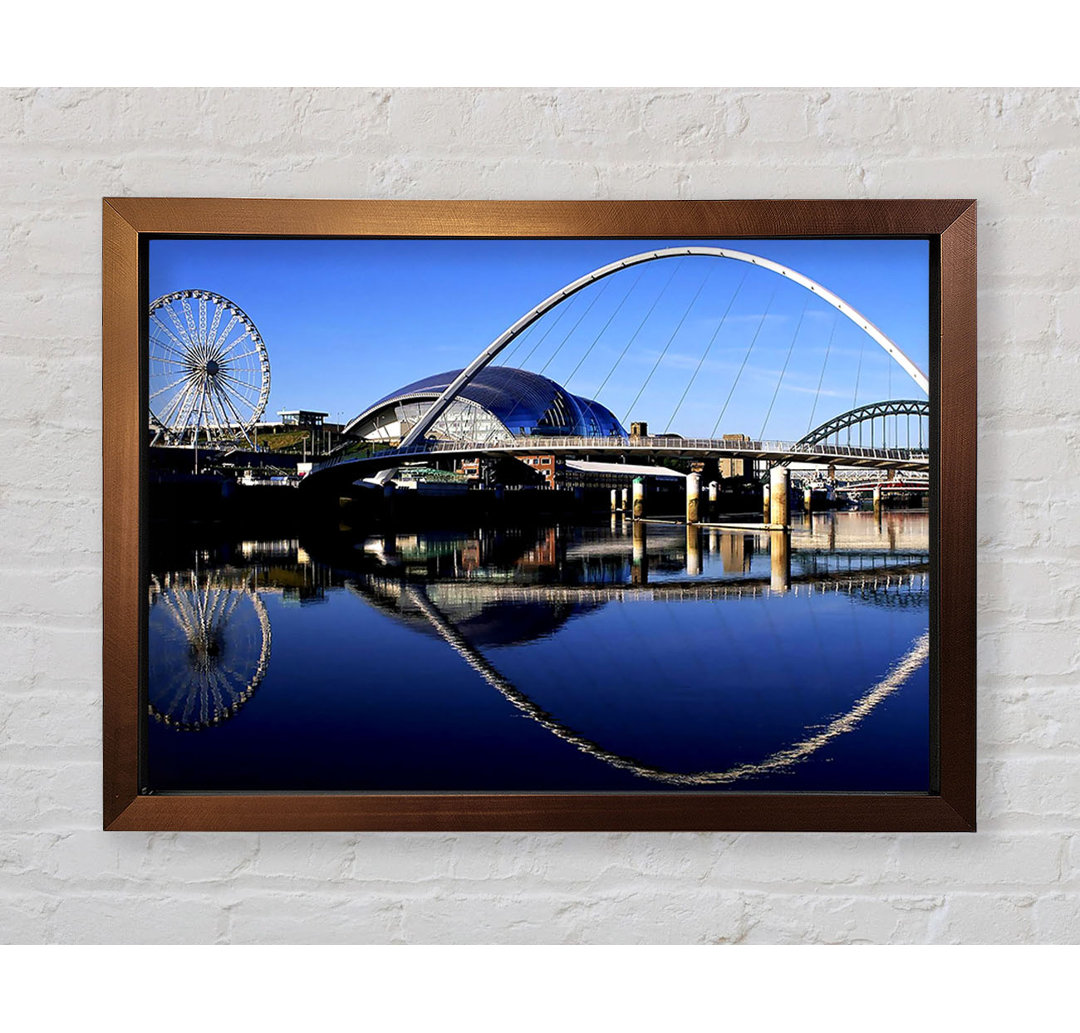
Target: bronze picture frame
x=950 y=228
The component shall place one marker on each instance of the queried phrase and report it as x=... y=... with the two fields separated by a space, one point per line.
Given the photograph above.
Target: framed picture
x=525 y=515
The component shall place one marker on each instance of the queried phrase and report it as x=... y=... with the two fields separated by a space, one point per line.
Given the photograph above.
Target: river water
x=606 y=657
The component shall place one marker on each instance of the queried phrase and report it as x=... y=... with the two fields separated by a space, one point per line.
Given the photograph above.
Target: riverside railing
x=644 y=444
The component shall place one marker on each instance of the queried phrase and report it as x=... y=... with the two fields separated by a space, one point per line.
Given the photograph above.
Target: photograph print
x=538 y=516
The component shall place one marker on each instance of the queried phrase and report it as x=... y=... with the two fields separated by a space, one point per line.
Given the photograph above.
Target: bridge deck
x=773 y=452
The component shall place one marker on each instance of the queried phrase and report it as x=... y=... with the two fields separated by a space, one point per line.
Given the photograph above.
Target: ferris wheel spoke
x=193 y=332
x=203 y=711
x=212 y=624
x=237 y=679
x=237 y=358
x=236 y=597
x=202 y=321
x=220 y=416
x=225 y=398
x=217 y=417
x=232 y=378
x=176 y=608
x=211 y=334
x=182 y=687
x=187 y=409
x=237 y=376
x=229 y=677
x=218 y=701
x=233 y=385
x=171 y=408
x=169 y=387
x=186 y=364
x=225 y=333
x=214 y=421
x=189 y=703
x=204 y=400
x=187 y=341
x=184 y=408
x=240 y=422
x=204 y=606
x=223 y=385
x=165 y=418
x=224 y=350
x=242 y=389
x=182 y=345
x=156 y=342
x=202 y=603
x=218 y=620
x=202 y=423
x=162 y=685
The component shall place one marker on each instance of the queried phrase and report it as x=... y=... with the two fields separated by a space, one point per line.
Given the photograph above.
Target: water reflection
x=210 y=647
x=662 y=655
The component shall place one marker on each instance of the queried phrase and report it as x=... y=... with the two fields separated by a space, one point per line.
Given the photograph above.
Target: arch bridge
x=869 y=414
x=347 y=469
x=812 y=449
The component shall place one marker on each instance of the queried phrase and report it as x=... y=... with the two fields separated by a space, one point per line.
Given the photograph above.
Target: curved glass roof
x=524 y=402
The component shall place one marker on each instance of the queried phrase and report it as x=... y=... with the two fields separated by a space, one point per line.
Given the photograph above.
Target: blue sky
x=347 y=321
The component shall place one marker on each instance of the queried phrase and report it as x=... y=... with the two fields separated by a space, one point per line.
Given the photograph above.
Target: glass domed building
x=499 y=403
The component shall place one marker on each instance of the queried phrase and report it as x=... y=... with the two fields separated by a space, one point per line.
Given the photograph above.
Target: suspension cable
x=675 y=268
x=821 y=379
x=603 y=329
x=526 y=335
x=858 y=374
x=708 y=348
x=563 y=309
x=791 y=348
x=597 y=295
x=656 y=366
x=735 y=382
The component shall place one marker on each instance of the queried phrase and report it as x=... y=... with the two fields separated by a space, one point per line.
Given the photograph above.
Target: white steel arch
x=530 y=317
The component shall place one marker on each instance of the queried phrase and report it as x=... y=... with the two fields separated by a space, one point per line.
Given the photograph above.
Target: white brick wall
x=1017 y=880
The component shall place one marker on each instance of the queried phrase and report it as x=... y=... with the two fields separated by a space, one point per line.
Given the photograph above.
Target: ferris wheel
x=209 y=647
x=209 y=370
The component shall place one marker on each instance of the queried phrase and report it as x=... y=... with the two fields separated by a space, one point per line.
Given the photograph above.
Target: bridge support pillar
x=693 y=498
x=625 y=500
x=639 y=569
x=714 y=494
x=779 y=485
x=808 y=500
x=877 y=501
x=765 y=513
x=639 y=498
x=780 y=561
x=614 y=500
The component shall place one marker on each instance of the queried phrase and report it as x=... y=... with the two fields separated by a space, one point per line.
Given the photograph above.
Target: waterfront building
x=500 y=403
x=736 y=467
x=302 y=417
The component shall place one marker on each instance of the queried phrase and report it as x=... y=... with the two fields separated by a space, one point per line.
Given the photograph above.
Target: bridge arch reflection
x=390 y=594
